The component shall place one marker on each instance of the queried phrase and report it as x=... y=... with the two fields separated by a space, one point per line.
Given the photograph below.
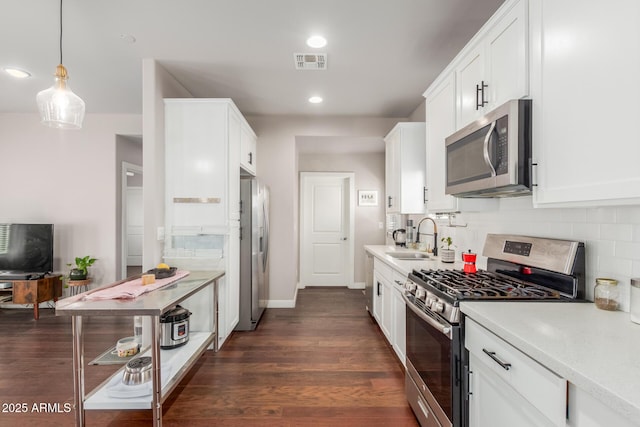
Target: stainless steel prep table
x=153 y=304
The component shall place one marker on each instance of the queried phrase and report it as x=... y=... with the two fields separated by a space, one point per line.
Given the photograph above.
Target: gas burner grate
x=482 y=285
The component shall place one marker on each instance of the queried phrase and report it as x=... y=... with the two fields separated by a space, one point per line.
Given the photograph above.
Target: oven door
x=433 y=367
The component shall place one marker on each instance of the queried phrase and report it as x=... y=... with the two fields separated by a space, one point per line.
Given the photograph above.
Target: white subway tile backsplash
x=628 y=214
x=620 y=232
x=627 y=250
x=611 y=235
x=601 y=215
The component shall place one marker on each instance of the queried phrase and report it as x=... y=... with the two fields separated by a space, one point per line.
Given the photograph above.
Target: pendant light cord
x=60 y=31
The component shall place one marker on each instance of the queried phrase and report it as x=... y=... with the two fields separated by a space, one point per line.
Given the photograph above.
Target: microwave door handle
x=487 y=158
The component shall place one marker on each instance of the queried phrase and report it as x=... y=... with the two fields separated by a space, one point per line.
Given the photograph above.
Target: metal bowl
x=137 y=371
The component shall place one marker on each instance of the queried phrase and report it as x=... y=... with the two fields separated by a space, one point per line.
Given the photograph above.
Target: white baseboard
x=283 y=303
x=357 y=285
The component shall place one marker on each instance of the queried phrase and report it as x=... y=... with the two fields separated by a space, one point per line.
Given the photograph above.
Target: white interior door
x=326 y=257
x=135 y=226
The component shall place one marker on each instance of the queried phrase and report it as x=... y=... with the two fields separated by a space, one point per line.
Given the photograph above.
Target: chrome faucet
x=435 y=234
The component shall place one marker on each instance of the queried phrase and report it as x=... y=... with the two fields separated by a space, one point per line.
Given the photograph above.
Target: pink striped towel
x=133 y=288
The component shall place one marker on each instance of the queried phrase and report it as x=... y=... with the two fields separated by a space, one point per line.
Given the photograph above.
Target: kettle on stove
x=400 y=237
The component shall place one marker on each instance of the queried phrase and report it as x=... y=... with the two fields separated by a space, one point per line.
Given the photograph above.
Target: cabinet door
x=392 y=169
x=493 y=402
x=387 y=310
x=507 y=69
x=248 y=150
x=377 y=297
x=233 y=279
x=469 y=77
x=196 y=163
x=440 y=121
x=399 y=325
x=233 y=178
x=585 y=66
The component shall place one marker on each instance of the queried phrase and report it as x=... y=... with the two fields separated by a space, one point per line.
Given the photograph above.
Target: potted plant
x=79 y=272
x=447 y=254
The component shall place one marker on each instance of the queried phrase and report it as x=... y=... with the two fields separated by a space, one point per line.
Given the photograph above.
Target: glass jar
x=606 y=294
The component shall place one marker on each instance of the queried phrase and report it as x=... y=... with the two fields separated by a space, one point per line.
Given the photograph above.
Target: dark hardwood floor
x=324 y=363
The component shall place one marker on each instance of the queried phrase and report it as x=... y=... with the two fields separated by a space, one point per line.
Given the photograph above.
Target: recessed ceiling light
x=315 y=100
x=316 y=41
x=17 y=73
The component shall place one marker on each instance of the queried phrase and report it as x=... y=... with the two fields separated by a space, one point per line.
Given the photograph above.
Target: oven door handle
x=444 y=329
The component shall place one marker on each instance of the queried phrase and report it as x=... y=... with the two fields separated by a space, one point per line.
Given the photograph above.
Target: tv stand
x=34 y=291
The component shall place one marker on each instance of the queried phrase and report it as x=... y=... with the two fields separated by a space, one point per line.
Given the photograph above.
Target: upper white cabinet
x=405 y=168
x=248 y=149
x=202 y=154
x=440 y=123
x=584 y=72
x=493 y=68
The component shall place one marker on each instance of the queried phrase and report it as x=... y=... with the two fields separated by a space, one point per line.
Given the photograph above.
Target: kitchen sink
x=408 y=255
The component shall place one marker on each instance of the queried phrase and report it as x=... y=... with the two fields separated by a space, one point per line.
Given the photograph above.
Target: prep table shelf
x=199 y=289
x=179 y=360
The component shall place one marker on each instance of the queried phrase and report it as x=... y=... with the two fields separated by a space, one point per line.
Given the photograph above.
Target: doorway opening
x=132 y=220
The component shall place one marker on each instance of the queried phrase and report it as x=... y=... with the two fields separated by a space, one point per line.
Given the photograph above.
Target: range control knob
x=438 y=306
x=430 y=300
x=421 y=294
x=410 y=286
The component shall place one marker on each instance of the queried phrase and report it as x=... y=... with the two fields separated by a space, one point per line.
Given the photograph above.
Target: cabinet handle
x=250 y=158
x=389 y=203
x=425 y=191
x=379 y=291
x=480 y=102
x=492 y=354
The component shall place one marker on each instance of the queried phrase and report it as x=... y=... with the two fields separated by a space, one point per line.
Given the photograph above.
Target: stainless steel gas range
x=519 y=268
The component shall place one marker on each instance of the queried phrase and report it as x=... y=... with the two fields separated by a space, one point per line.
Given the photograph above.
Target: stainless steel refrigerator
x=254 y=252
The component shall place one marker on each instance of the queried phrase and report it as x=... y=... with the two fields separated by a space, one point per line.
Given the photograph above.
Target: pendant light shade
x=59 y=107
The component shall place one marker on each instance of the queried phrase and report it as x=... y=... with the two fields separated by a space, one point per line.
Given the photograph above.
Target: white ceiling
x=382 y=54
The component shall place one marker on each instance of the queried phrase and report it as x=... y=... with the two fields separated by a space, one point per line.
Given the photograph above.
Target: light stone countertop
x=596 y=350
x=407 y=266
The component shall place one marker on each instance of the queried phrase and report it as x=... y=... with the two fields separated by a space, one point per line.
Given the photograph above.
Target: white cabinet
x=248 y=147
x=399 y=322
x=494 y=68
x=585 y=66
x=440 y=123
x=507 y=388
x=587 y=411
x=405 y=168
x=203 y=139
x=389 y=306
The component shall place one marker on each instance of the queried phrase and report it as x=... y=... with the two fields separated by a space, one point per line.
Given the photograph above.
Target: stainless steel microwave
x=491 y=157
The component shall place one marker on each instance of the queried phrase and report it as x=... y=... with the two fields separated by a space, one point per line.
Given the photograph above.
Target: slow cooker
x=174 y=326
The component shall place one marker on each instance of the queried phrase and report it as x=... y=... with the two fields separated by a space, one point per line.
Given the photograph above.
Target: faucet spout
x=435 y=233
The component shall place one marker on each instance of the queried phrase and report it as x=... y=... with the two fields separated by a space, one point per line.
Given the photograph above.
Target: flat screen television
x=26 y=248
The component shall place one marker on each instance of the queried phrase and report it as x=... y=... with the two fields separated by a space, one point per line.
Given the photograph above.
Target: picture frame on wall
x=367 y=197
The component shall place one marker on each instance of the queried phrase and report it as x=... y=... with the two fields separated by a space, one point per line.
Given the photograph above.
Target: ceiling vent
x=310 y=61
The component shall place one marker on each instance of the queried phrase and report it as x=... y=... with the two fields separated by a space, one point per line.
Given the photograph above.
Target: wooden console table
x=36 y=291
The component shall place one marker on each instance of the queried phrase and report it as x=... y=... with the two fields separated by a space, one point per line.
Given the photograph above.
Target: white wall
x=611 y=235
x=277 y=167
x=66 y=178
x=157 y=84
x=369 y=175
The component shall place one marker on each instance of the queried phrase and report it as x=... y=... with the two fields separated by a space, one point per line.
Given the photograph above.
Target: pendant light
x=59 y=107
